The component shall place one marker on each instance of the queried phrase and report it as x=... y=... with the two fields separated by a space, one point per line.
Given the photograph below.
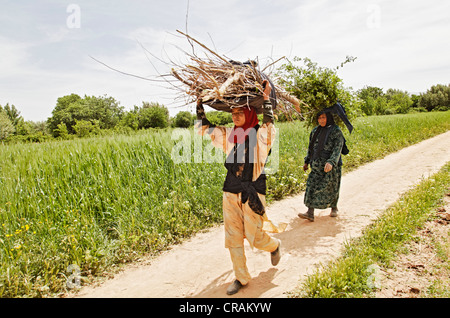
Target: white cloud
x=13 y=55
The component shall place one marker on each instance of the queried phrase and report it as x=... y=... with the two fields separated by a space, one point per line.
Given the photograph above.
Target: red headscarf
x=239 y=134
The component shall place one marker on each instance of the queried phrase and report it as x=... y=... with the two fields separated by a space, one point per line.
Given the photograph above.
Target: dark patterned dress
x=322 y=188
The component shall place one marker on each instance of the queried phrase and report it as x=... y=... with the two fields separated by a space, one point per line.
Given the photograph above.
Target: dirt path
x=201 y=266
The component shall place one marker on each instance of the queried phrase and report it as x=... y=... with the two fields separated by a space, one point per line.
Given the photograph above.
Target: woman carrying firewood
x=326 y=143
x=247 y=146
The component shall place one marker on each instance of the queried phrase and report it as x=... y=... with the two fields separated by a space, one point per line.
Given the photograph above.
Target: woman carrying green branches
x=247 y=146
x=326 y=143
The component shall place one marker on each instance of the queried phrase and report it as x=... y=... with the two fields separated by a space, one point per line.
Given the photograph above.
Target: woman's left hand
x=328 y=167
x=267 y=89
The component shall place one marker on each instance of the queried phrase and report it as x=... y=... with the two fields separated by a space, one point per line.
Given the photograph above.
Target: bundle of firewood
x=223 y=84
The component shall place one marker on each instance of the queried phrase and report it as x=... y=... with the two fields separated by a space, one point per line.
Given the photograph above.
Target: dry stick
x=205 y=47
x=231 y=80
x=273 y=63
x=256 y=73
x=154 y=67
x=216 y=85
x=187 y=15
x=294 y=101
x=125 y=73
x=180 y=78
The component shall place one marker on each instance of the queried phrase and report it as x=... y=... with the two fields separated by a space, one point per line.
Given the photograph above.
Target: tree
x=415 y=99
x=85 y=128
x=153 y=115
x=219 y=118
x=6 y=126
x=72 y=108
x=104 y=109
x=398 y=102
x=13 y=114
x=61 y=113
x=369 y=96
x=61 y=131
x=129 y=120
x=318 y=87
x=183 y=119
x=24 y=128
x=436 y=98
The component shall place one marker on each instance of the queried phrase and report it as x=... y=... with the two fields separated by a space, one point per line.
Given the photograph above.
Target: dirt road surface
x=201 y=266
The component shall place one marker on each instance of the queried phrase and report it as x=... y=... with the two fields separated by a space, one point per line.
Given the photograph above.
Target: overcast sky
x=45 y=45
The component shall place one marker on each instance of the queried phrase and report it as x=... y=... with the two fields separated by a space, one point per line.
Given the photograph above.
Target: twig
x=204 y=46
x=125 y=73
x=273 y=63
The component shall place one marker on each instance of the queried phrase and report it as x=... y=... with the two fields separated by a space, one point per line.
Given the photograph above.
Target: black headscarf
x=320 y=133
x=339 y=110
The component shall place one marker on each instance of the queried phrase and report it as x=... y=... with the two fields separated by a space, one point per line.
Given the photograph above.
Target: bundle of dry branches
x=224 y=84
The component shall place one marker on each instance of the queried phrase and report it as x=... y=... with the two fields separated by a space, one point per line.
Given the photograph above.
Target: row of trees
x=74 y=116
x=394 y=101
x=90 y=115
x=13 y=126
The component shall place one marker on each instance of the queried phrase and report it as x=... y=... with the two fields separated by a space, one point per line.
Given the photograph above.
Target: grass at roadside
x=100 y=202
x=352 y=274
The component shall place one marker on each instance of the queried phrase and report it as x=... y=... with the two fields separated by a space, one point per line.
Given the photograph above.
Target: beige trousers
x=241 y=222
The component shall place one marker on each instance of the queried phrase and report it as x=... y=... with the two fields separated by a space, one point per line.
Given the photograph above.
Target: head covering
x=339 y=110
x=239 y=134
x=321 y=133
x=330 y=118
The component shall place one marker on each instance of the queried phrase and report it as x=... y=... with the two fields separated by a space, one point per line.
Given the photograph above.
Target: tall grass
x=102 y=201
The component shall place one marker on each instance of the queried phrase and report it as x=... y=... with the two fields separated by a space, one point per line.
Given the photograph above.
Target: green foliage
x=318 y=87
x=153 y=115
x=6 y=126
x=398 y=101
x=219 y=118
x=74 y=116
x=84 y=128
x=436 y=98
x=130 y=119
x=72 y=108
x=394 y=101
x=13 y=114
x=24 y=131
x=183 y=119
x=61 y=131
x=61 y=113
x=24 y=128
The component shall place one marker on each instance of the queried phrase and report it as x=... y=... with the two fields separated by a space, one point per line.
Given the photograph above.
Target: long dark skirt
x=322 y=188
